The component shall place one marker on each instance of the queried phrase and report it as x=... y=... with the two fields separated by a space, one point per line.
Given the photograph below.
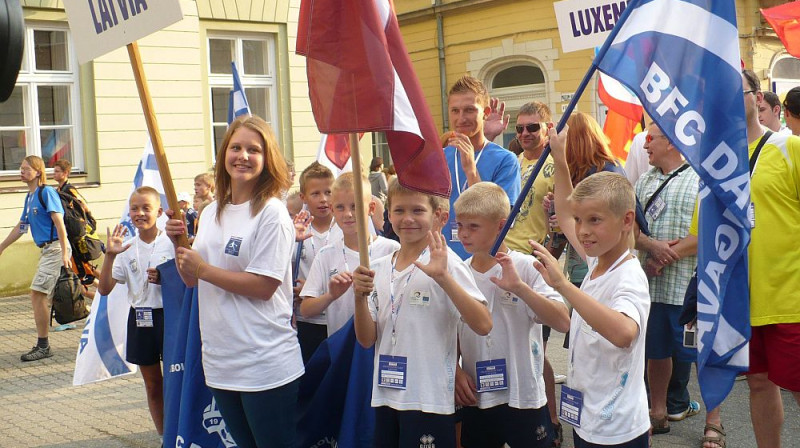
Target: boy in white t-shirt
x=501 y=385
x=134 y=264
x=604 y=398
x=409 y=306
x=328 y=285
x=315 y=191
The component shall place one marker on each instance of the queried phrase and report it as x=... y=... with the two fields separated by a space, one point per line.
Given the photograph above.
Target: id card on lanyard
x=459 y=186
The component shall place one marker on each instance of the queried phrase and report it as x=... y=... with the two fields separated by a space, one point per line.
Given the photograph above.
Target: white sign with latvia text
x=100 y=26
x=584 y=24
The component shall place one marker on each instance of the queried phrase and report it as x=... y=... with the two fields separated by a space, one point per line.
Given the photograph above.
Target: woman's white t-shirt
x=248 y=343
x=611 y=379
x=426 y=331
x=516 y=337
x=130 y=268
x=331 y=260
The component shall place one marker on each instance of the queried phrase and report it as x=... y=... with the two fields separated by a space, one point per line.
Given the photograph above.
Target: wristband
x=197 y=271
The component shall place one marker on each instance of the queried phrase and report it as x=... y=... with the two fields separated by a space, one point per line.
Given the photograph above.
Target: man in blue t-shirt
x=46 y=224
x=471 y=158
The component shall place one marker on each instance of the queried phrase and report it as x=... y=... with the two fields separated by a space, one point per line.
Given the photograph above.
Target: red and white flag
x=624 y=114
x=360 y=79
x=334 y=153
x=785 y=20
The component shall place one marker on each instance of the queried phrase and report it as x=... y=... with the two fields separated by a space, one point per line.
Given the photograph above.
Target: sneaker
x=559 y=378
x=36 y=354
x=693 y=409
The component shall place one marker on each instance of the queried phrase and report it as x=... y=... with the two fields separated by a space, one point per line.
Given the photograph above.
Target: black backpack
x=81 y=228
x=69 y=304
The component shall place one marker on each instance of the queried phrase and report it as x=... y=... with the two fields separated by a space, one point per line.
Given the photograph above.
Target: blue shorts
x=145 y=344
x=665 y=335
x=519 y=428
x=395 y=429
x=643 y=441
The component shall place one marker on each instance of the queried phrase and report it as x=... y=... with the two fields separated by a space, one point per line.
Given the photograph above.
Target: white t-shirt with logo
x=311 y=247
x=248 y=343
x=333 y=259
x=130 y=268
x=611 y=378
x=426 y=332
x=512 y=320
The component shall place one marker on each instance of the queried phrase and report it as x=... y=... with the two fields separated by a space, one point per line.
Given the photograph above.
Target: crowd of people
x=459 y=335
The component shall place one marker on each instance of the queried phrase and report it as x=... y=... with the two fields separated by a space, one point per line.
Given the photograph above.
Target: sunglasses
x=531 y=127
x=649 y=138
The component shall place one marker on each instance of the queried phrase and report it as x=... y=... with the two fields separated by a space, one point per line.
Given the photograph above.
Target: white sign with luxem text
x=584 y=24
x=100 y=26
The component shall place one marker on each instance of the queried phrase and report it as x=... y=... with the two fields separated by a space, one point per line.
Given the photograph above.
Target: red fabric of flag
x=620 y=130
x=785 y=20
x=360 y=79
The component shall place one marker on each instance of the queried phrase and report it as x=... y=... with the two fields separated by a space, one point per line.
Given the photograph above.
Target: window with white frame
x=254 y=55
x=42 y=116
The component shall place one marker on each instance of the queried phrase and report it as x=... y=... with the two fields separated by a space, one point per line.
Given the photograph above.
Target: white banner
x=584 y=24
x=100 y=26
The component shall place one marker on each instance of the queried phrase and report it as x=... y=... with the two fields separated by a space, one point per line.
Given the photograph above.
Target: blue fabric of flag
x=237 y=101
x=682 y=60
x=335 y=393
x=191 y=417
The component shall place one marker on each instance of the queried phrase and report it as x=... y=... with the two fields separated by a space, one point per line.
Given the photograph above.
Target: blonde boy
x=315 y=191
x=136 y=267
x=328 y=287
x=501 y=385
x=204 y=187
x=417 y=297
x=604 y=398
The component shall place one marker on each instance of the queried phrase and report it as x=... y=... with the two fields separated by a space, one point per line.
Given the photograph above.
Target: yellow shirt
x=531 y=222
x=774 y=252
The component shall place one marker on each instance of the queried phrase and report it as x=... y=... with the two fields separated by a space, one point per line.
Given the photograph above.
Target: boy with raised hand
x=136 y=268
x=409 y=306
x=328 y=285
x=315 y=191
x=604 y=398
x=501 y=385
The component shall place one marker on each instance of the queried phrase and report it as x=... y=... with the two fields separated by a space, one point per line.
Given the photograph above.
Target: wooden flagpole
x=155 y=135
x=361 y=212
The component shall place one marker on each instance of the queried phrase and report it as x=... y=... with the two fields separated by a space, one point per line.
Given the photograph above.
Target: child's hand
x=466 y=392
x=509 y=281
x=339 y=284
x=174 y=227
x=558 y=143
x=114 y=240
x=363 y=281
x=153 y=276
x=298 y=286
x=301 y=223
x=547 y=266
x=437 y=265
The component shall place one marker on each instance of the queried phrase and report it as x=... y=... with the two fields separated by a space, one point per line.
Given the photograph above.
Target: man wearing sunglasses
x=470 y=156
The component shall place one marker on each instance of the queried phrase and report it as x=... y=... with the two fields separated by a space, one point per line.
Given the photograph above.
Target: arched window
x=519 y=75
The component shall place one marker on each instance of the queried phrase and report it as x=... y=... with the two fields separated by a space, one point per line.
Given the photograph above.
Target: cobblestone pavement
x=41 y=408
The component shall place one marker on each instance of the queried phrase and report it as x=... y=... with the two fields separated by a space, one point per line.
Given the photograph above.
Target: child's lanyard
x=145 y=283
x=395 y=310
x=577 y=332
x=344 y=254
x=457 y=164
x=327 y=236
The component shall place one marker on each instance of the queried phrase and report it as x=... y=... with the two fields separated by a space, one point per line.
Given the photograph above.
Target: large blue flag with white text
x=681 y=58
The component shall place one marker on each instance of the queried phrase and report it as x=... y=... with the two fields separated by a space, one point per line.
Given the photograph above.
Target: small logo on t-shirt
x=333 y=272
x=232 y=248
x=426 y=441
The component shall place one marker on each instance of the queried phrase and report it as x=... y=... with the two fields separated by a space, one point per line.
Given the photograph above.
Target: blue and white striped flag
x=681 y=58
x=237 y=102
x=101 y=353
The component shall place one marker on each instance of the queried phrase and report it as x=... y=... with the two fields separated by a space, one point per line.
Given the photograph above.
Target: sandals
x=718 y=439
x=659 y=425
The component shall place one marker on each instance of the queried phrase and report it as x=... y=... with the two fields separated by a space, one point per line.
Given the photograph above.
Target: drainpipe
x=442 y=70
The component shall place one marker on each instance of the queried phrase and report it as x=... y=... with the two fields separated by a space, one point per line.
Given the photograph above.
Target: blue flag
x=237 y=101
x=681 y=58
x=191 y=416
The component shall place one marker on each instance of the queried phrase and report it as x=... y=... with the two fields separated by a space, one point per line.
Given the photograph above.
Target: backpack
x=81 y=228
x=68 y=303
